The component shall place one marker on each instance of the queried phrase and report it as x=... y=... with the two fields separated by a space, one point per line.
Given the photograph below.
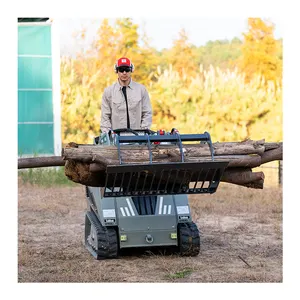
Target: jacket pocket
x=118 y=104
x=134 y=102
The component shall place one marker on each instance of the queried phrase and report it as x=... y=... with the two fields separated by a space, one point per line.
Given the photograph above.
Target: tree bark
x=40 y=162
x=271 y=155
x=244 y=177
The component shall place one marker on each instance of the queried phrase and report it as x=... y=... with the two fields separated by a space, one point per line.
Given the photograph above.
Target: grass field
x=241 y=239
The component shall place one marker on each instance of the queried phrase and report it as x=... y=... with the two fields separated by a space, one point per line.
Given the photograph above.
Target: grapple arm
x=163 y=179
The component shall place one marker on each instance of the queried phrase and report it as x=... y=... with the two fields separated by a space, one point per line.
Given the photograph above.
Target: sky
x=162 y=30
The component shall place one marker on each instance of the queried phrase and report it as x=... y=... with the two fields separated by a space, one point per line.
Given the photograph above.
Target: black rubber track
x=107 y=240
x=188 y=239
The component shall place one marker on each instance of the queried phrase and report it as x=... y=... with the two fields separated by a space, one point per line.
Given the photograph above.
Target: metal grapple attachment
x=162 y=178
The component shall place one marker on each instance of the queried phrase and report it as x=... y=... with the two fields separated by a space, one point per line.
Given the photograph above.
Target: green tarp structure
x=36 y=134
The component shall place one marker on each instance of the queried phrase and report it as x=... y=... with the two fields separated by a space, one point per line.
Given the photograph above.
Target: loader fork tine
x=199 y=173
x=169 y=175
x=121 y=185
x=177 y=171
x=150 y=189
x=161 y=174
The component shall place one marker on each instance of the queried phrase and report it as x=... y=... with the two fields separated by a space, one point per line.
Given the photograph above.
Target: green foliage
x=223 y=54
x=45 y=177
x=180 y=274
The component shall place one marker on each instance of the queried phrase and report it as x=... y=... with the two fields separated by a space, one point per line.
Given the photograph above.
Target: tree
x=220 y=53
x=182 y=56
x=85 y=78
x=260 y=51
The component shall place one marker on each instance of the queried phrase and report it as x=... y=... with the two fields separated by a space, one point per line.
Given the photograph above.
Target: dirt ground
x=241 y=240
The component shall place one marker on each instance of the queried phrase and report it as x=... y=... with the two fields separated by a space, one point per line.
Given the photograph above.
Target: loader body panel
x=137 y=223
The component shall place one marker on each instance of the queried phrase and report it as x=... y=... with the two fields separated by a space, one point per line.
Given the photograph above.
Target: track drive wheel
x=101 y=241
x=189 y=239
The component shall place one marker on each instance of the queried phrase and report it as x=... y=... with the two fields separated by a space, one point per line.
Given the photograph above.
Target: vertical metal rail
x=210 y=145
x=119 y=150
x=161 y=175
x=199 y=173
x=182 y=181
x=177 y=171
x=180 y=146
x=213 y=179
x=149 y=148
x=137 y=180
x=150 y=189
x=207 y=171
x=168 y=179
x=129 y=182
x=121 y=185
x=144 y=182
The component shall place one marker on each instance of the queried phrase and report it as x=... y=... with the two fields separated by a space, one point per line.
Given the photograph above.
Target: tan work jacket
x=113 y=107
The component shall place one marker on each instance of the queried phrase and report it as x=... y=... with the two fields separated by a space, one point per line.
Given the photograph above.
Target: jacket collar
x=130 y=85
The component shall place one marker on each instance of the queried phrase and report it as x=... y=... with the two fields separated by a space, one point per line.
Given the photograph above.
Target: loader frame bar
x=173 y=138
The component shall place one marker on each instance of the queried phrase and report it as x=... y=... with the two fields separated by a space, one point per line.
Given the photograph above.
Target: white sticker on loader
x=182 y=210
x=109 y=213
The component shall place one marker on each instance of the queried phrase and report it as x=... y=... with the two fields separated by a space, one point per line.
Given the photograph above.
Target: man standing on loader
x=126 y=103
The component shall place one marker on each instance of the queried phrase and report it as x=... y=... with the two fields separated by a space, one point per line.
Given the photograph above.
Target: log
x=232 y=151
x=141 y=153
x=244 y=177
x=270 y=146
x=40 y=162
x=223 y=151
x=79 y=172
x=86 y=164
x=271 y=155
x=234 y=161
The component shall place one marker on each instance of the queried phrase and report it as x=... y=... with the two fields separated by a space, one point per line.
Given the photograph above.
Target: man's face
x=124 y=73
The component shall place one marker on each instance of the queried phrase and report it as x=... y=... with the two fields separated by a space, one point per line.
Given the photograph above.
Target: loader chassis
x=145 y=206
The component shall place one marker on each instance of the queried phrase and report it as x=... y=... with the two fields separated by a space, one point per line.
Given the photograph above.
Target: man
x=126 y=103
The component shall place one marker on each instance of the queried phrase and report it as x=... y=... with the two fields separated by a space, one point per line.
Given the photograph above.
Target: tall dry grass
x=219 y=102
x=213 y=100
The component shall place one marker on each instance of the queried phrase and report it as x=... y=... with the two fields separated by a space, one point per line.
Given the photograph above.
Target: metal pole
x=280 y=167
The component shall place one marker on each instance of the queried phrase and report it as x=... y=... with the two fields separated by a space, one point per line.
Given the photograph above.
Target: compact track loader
x=146 y=205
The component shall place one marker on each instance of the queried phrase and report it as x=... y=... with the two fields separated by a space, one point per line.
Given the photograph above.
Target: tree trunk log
x=244 y=177
x=80 y=172
x=274 y=154
x=40 y=162
x=141 y=153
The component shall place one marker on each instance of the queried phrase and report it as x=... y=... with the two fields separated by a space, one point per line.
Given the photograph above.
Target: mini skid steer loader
x=146 y=205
